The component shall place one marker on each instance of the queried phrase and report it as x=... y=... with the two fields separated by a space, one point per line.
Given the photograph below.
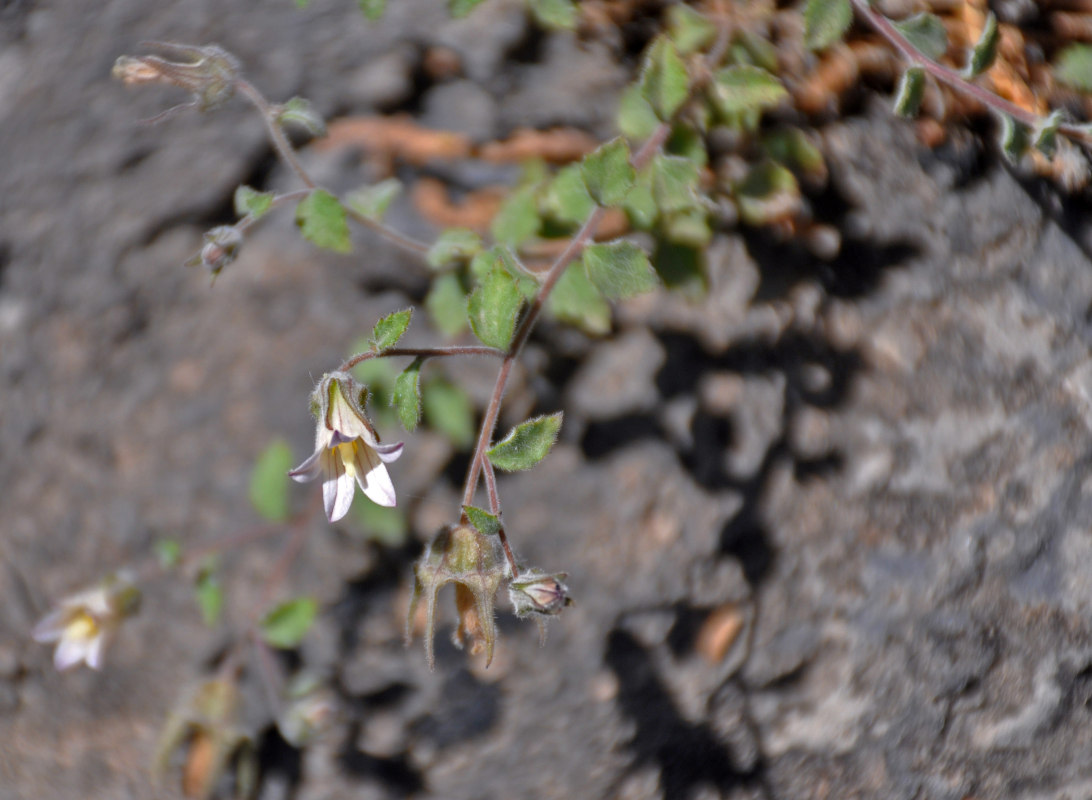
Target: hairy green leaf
x=608 y=175
x=493 y=307
x=373 y=9
x=826 y=22
x=517 y=219
x=910 y=92
x=665 y=84
x=689 y=29
x=1073 y=67
x=636 y=119
x=389 y=329
x=372 y=201
x=794 y=148
x=407 y=395
x=984 y=52
x=619 y=269
x=269 y=481
x=558 y=15
x=741 y=89
x=321 y=220
x=925 y=33
x=566 y=199
x=485 y=522
x=286 y=625
x=526 y=444
x=674 y=183
x=575 y=299
x=640 y=205
x=299 y=112
x=454 y=244
x=447 y=409
x=252 y=202
x=446 y=304
x=681 y=267
x=689 y=226
x=1014 y=139
x=1044 y=137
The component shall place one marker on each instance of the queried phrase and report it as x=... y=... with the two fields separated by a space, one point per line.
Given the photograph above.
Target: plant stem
x=495 y=509
x=247 y=222
x=423 y=352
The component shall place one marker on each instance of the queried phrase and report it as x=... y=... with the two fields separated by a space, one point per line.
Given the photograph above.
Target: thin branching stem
x=247 y=222
x=423 y=352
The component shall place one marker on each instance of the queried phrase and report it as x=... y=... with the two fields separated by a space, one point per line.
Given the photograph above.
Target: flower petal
x=51 y=627
x=372 y=476
x=389 y=452
x=337 y=490
x=69 y=653
x=309 y=469
x=331 y=465
x=95 y=649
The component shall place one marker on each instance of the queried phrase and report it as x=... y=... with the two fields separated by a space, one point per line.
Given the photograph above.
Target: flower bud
x=535 y=592
x=461 y=555
x=221 y=247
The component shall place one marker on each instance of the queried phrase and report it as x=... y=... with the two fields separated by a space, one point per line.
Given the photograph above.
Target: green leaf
x=407 y=395
x=575 y=299
x=1014 y=138
x=502 y=255
x=689 y=226
x=1073 y=67
x=758 y=49
x=665 y=84
x=566 y=199
x=210 y=597
x=169 y=553
x=252 y=202
x=925 y=33
x=269 y=481
x=558 y=15
x=372 y=201
x=485 y=522
x=793 y=148
x=389 y=330
x=689 y=29
x=517 y=219
x=387 y=526
x=1044 y=137
x=640 y=205
x=299 y=111
x=984 y=52
x=460 y=8
x=446 y=304
x=636 y=119
x=608 y=175
x=741 y=89
x=287 y=624
x=321 y=220
x=826 y=22
x=493 y=306
x=619 y=269
x=674 y=183
x=454 y=244
x=447 y=409
x=526 y=444
x=681 y=267
x=373 y=9
x=910 y=92
x=769 y=192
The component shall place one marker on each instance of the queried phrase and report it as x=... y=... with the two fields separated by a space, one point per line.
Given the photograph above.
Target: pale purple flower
x=347 y=449
x=85 y=623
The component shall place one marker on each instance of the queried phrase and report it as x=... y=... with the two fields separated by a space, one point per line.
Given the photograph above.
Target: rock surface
x=827 y=530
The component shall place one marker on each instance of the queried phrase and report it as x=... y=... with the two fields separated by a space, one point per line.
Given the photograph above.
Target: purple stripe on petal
x=309 y=469
x=389 y=452
x=330 y=465
x=344 y=496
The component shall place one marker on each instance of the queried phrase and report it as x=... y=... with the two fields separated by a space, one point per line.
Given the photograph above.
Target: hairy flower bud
x=461 y=555
x=535 y=592
x=210 y=74
x=221 y=247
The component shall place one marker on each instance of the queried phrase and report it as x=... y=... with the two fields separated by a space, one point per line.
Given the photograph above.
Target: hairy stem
x=423 y=352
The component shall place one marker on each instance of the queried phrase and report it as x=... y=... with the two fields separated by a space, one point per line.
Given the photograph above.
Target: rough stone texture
x=874 y=470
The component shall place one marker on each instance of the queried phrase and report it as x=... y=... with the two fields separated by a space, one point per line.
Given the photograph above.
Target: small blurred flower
x=309 y=710
x=347 y=448
x=210 y=74
x=86 y=622
x=221 y=247
x=535 y=592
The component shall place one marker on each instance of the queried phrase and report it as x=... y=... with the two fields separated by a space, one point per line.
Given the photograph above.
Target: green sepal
x=285 y=626
x=826 y=22
x=321 y=220
x=984 y=52
x=911 y=90
x=269 y=482
x=619 y=269
x=557 y=15
x=407 y=395
x=925 y=33
x=689 y=29
x=740 y=90
x=664 y=82
x=372 y=201
x=250 y=202
x=447 y=409
x=446 y=304
x=526 y=444
x=486 y=523
x=607 y=173
x=299 y=111
x=453 y=245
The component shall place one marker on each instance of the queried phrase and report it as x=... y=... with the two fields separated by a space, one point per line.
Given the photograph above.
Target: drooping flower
x=347 y=448
x=85 y=623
